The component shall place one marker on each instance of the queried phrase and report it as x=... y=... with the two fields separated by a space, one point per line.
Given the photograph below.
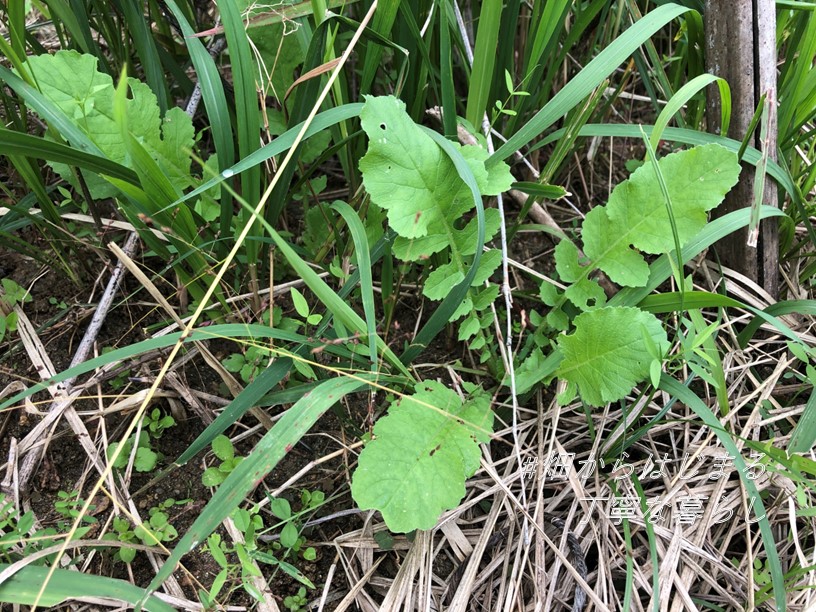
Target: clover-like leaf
x=607 y=355
x=424 y=449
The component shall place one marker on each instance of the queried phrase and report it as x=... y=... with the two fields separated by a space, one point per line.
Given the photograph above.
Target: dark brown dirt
x=60 y=327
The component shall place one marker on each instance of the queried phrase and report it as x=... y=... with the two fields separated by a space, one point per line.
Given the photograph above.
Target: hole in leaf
x=382 y=126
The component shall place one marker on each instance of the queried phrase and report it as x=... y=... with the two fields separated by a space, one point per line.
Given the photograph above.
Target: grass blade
x=681 y=392
x=484 y=60
x=366 y=281
x=66 y=585
x=803 y=435
x=589 y=78
x=211 y=332
x=282 y=143
x=215 y=103
x=683 y=95
x=248 y=398
x=15 y=143
x=246 y=105
x=264 y=457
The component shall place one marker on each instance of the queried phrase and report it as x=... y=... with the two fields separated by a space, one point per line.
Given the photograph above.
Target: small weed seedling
x=248 y=365
x=157 y=529
x=157 y=423
x=14 y=295
x=146 y=458
x=296 y=603
x=223 y=449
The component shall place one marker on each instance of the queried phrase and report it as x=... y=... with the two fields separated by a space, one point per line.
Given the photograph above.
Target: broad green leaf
x=567 y=261
x=465 y=238
x=488 y=264
x=586 y=293
x=441 y=281
x=438 y=239
x=529 y=372
x=636 y=216
x=289 y=535
x=406 y=173
x=697 y=180
x=469 y=327
x=72 y=82
x=415 y=467
x=606 y=355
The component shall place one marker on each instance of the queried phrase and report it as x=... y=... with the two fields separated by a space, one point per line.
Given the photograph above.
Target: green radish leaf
x=584 y=291
x=606 y=355
x=406 y=173
x=636 y=216
x=71 y=81
x=423 y=450
x=441 y=281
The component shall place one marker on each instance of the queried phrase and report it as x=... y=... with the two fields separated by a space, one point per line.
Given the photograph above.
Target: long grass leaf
x=282 y=143
x=685 y=395
x=211 y=332
x=683 y=95
x=215 y=103
x=245 y=400
x=382 y=23
x=15 y=13
x=67 y=585
x=15 y=143
x=246 y=103
x=446 y=85
x=803 y=307
x=484 y=60
x=251 y=471
x=589 y=78
x=366 y=281
x=333 y=302
x=803 y=435
x=673 y=301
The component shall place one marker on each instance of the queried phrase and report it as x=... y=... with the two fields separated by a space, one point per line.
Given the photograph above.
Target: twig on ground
x=64 y=395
